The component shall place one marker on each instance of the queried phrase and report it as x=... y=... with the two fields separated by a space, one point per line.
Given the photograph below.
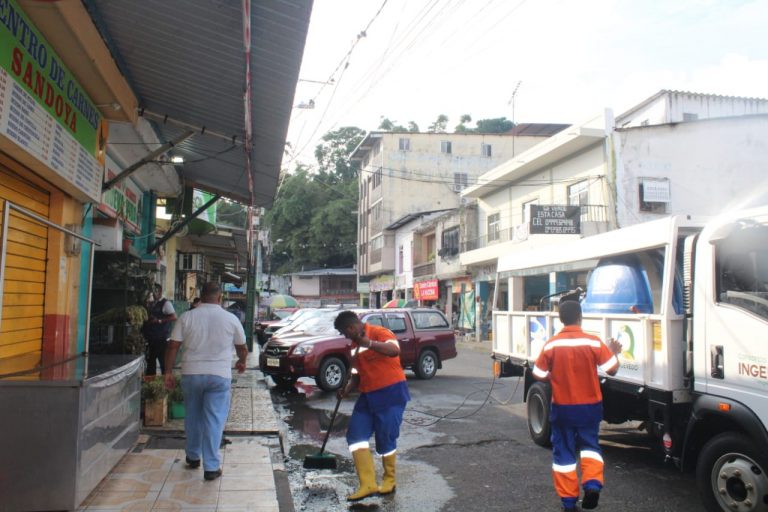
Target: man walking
x=207 y=334
x=379 y=408
x=156 y=331
x=569 y=361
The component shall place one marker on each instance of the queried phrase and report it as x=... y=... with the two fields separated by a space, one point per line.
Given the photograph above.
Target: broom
x=324 y=460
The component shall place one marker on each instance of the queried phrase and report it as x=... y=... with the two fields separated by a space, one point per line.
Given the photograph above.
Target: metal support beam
x=150 y=157
x=175 y=229
x=234 y=139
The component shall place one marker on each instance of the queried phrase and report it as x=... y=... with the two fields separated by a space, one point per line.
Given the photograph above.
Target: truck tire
x=426 y=366
x=732 y=474
x=332 y=374
x=539 y=397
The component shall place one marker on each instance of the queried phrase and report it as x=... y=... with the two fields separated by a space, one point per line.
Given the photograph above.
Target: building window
x=377 y=177
x=460 y=181
x=485 y=150
x=654 y=194
x=405 y=144
x=687 y=117
x=445 y=147
x=527 y=210
x=578 y=193
x=400 y=259
x=449 y=245
x=494 y=227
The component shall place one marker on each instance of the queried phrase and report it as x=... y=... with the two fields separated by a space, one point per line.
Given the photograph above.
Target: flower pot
x=176 y=410
x=155 y=412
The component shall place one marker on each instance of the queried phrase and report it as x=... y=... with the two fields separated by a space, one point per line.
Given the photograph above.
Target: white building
x=407 y=173
x=673 y=153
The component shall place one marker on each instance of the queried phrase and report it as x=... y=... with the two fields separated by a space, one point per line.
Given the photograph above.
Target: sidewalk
x=154 y=477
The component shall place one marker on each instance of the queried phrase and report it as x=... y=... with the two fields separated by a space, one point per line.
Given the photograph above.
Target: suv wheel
x=332 y=374
x=426 y=366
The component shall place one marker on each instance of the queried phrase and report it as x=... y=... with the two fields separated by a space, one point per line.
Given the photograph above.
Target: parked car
x=263 y=329
x=425 y=336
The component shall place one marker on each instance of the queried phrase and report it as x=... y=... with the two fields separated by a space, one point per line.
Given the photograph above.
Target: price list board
x=26 y=123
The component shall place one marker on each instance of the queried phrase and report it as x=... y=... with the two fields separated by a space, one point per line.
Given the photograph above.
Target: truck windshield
x=742 y=266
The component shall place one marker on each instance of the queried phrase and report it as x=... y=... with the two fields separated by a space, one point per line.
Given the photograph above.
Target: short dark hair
x=344 y=320
x=570 y=312
x=210 y=291
x=195 y=300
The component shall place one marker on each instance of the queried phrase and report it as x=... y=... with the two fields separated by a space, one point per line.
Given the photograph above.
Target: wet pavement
x=483 y=459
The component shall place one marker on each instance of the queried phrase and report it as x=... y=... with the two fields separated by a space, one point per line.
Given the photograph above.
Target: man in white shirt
x=207 y=334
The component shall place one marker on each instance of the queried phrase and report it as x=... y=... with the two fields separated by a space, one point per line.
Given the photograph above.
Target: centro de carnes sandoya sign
x=45 y=111
x=552 y=219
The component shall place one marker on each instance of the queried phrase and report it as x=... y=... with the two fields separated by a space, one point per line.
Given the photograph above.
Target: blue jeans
x=206 y=404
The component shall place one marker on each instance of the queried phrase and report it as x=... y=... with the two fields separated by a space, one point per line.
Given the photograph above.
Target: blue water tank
x=618 y=285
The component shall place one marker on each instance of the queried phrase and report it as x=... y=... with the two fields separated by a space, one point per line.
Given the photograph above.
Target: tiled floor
x=159 y=480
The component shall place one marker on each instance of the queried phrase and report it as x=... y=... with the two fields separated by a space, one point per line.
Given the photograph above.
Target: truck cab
x=688 y=300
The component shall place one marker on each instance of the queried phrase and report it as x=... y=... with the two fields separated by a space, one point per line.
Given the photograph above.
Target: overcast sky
x=572 y=58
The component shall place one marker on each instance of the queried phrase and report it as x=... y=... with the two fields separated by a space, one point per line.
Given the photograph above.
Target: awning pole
x=175 y=229
x=147 y=159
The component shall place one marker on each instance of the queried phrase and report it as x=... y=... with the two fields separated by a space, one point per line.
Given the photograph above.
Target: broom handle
x=336 y=409
x=330 y=427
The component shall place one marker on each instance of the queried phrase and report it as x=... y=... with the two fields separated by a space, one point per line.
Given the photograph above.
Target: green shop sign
x=28 y=58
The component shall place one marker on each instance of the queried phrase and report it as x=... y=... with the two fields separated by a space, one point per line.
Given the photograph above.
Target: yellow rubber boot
x=366 y=473
x=388 y=482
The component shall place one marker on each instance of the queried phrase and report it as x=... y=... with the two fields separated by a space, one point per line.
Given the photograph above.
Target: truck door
x=397 y=323
x=735 y=358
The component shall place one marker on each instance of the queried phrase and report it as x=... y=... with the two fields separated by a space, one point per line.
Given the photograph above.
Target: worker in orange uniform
x=379 y=409
x=569 y=361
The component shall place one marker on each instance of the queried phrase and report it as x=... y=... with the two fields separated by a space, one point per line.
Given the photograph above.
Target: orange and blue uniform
x=383 y=396
x=570 y=361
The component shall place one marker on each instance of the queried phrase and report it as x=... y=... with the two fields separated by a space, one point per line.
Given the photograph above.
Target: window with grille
x=377 y=177
x=485 y=150
x=460 y=181
x=578 y=193
x=494 y=227
x=450 y=243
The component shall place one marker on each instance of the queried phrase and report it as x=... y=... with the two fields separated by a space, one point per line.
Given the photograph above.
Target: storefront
x=381 y=290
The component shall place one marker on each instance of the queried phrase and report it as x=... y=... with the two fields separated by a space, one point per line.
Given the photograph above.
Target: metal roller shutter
x=21 y=330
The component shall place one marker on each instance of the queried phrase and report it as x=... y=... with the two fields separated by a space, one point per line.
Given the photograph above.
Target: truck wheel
x=731 y=474
x=332 y=374
x=539 y=397
x=426 y=366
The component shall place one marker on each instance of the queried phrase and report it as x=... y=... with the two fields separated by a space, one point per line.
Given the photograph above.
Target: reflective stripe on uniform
x=573 y=342
x=359 y=446
x=563 y=468
x=613 y=361
x=589 y=454
x=538 y=372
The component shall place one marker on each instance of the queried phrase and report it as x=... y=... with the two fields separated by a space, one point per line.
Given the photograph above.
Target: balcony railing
x=423 y=269
x=589 y=213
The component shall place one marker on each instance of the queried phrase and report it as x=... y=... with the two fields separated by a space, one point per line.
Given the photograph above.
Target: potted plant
x=155 y=398
x=176 y=400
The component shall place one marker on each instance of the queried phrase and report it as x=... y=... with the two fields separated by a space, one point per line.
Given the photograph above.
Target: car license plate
x=273 y=361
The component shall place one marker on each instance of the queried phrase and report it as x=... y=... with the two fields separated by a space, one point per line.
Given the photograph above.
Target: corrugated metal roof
x=537 y=129
x=185 y=59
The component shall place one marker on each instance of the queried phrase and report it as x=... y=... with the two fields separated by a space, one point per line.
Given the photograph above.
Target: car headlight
x=302 y=350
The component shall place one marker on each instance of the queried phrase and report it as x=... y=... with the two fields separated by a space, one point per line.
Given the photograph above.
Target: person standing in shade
x=156 y=330
x=207 y=334
x=570 y=361
x=379 y=409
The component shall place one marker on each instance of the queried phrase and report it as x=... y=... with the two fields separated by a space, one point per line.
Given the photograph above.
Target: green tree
x=413 y=127
x=314 y=211
x=439 y=125
x=462 y=126
x=389 y=125
x=495 y=125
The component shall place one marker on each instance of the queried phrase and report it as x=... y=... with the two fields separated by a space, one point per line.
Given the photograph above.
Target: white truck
x=688 y=300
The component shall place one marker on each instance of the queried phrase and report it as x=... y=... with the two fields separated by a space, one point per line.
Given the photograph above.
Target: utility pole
x=514 y=125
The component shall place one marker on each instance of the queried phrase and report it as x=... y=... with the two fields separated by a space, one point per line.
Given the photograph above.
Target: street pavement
x=480 y=460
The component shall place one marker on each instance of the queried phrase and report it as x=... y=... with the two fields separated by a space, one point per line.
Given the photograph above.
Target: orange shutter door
x=21 y=330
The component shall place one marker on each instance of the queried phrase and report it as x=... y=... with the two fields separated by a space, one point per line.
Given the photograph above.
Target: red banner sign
x=425 y=290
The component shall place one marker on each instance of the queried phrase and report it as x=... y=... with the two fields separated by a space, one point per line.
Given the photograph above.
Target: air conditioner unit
x=458 y=187
x=191 y=262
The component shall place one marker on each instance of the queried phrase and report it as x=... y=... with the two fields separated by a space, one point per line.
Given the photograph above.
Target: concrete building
x=324 y=287
x=405 y=173
x=599 y=175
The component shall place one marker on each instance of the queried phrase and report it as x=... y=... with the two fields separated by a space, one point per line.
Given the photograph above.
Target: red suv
x=425 y=336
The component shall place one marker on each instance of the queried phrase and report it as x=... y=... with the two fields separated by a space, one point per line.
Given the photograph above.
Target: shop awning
x=185 y=62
